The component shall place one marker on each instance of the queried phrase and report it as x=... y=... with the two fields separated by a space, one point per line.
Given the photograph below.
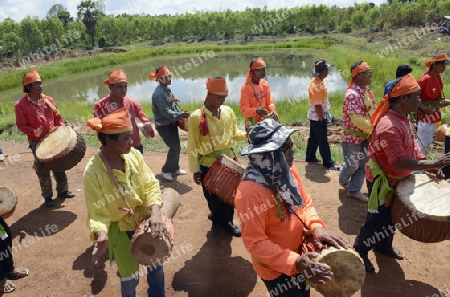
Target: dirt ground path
x=54 y=243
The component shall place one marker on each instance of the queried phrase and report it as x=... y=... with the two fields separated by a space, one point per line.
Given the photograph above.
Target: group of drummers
x=277 y=215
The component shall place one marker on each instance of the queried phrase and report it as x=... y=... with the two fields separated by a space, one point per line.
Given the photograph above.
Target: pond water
x=288 y=75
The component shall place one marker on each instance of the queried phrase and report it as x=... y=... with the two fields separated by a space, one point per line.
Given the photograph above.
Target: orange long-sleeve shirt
x=254 y=96
x=273 y=242
x=31 y=116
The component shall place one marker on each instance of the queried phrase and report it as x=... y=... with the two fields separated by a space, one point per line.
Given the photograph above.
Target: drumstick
x=407 y=258
x=421 y=142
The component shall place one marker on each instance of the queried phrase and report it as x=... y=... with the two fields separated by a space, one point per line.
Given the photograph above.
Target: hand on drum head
x=261 y=111
x=442 y=161
x=315 y=272
x=38 y=131
x=149 y=129
x=326 y=236
x=185 y=114
x=100 y=246
x=155 y=222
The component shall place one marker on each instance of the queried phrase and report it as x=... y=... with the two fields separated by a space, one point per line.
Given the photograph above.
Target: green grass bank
x=346 y=51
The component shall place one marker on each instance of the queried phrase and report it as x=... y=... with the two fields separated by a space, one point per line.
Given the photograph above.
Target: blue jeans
x=353 y=172
x=155 y=280
x=169 y=133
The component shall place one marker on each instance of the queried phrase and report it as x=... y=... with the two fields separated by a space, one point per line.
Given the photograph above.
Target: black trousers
x=221 y=212
x=446 y=169
x=376 y=232
x=318 y=139
x=6 y=258
x=286 y=286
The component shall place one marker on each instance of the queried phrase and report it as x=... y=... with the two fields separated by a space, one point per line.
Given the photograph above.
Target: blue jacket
x=164 y=115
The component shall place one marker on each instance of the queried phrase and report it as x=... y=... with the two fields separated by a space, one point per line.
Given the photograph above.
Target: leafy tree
x=31 y=34
x=64 y=17
x=60 y=11
x=55 y=10
x=88 y=11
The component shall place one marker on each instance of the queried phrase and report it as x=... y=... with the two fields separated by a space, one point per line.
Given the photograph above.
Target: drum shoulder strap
x=128 y=209
x=51 y=105
x=202 y=110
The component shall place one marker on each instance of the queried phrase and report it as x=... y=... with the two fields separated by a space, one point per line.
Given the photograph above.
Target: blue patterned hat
x=267 y=136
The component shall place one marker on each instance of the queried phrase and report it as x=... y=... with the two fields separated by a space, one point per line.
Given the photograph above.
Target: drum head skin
x=56 y=143
x=8 y=202
x=61 y=149
x=348 y=270
x=148 y=250
x=421 y=209
x=428 y=196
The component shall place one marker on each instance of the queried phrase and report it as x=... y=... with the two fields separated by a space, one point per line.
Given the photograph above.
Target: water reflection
x=287 y=74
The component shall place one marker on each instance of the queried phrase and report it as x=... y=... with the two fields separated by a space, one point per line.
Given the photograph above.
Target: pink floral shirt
x=358 y=101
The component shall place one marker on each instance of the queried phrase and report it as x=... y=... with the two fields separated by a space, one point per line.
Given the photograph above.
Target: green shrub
x=102 y=41
x=346 y=27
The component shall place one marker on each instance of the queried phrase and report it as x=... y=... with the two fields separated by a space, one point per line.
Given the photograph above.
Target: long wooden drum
x=223 y=178
x=348 y=270
x=154 y=251
x=61 y=149
x=421 y=208
x=8 y=202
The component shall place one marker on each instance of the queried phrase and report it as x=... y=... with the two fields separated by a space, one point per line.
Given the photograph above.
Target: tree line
x=59 y=31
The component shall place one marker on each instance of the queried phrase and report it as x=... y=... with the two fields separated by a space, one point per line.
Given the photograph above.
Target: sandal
x=8 y=286
x=17 y=272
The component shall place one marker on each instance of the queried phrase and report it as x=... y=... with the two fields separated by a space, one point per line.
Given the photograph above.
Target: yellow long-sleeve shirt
x=223 y=132
x=138 y=183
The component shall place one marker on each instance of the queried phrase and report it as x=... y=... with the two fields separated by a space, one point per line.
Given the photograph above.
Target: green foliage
x=346 y=27
x=32 y=34
x=101 y=42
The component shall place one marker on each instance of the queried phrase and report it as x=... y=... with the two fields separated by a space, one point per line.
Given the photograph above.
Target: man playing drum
x=256 y=100
x=118 y=83
x=394 y=154
x=36 y=114
x=167 y=113
x=109 y=219
x=211 y=132
x=272 y=228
